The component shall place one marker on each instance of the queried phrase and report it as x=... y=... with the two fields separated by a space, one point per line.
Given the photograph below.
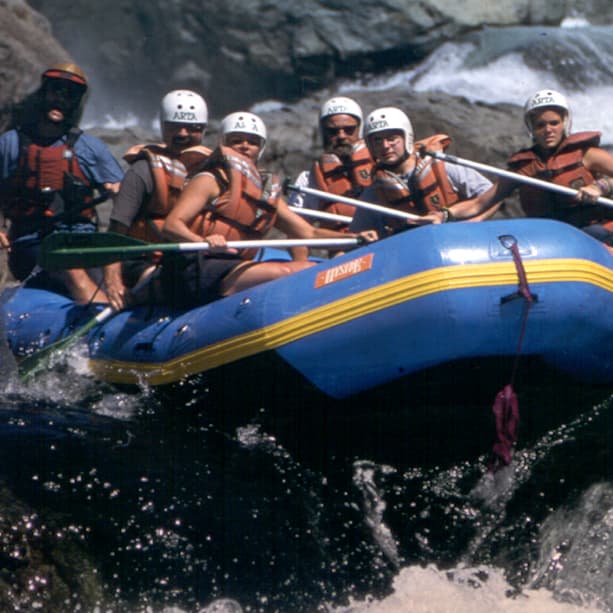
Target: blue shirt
x=94 y=157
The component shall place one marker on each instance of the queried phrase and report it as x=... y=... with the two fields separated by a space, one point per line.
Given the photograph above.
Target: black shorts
x=189 y=281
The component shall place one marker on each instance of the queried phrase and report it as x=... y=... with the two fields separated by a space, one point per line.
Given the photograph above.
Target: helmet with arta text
x=341 y=105
x=547 y=98
x=390 y=118
x=184 y=106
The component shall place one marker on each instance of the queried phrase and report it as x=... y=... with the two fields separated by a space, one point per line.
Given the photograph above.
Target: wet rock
x=576 y=550
x=239 y=52
x=43 y=567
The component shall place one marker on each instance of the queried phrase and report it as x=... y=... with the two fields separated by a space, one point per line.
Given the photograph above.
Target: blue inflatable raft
x=423 y=298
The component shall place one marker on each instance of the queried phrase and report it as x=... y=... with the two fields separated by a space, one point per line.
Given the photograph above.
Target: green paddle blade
x=63 y=250
x=40 y=360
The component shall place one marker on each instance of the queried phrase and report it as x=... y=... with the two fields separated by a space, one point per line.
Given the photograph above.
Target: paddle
x=38 y=361
x=62 y=250
x=357 y=203
x=320 y=214
x=507 y=174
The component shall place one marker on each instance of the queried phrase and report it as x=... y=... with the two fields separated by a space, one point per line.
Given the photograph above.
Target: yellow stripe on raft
x=352 y=307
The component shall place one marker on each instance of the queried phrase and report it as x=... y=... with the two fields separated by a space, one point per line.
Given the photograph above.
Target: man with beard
x=49 y=172
x=345 y=165
x=407 y=180
x=153 y=183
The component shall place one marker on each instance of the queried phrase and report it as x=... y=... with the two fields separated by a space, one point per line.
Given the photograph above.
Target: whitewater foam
x=460 y=590
x=479 y=74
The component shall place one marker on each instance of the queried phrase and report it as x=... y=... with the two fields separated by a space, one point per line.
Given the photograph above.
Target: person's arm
x=136 y=188
x=116 y=291
x=600 y=163
x=300 y=200
x=201 y=189
x=468 y=183
x=112 y=188
x=5 y=243
x=296 y=227
x=99 y=163
x=473 y=208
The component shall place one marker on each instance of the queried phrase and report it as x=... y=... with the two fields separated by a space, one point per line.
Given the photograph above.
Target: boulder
x=27 y=47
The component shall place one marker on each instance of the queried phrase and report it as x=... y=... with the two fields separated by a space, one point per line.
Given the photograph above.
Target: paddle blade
x=40 y=360
x=64 y=250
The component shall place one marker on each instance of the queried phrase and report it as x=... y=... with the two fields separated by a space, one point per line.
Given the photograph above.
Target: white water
x=460 y=590
x=506 y=79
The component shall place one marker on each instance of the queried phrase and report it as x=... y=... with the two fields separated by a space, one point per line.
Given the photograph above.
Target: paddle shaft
x=320 y=214
x=130 y=250
x=32 y=364
x=354 y=202
x=63 y=250
x=513 y=176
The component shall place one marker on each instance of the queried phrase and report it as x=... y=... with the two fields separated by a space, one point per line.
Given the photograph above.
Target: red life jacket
x=45 y=183
x=247 y=206
x=429 y=188
x=343 y=177
x=564 y=167
x=169 y=172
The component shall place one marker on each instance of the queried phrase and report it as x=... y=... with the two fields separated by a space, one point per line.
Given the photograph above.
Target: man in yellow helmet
x=50 y=172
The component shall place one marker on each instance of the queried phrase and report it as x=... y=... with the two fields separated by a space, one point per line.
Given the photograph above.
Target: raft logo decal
x=343 y=271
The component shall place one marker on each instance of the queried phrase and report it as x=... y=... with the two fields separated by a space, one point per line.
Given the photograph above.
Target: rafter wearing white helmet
x=390 y=118
x=341 y=105
x=245 y=123
x=547 y=98
x=184 y=106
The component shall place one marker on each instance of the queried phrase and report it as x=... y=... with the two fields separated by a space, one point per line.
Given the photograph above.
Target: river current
x=248 y=491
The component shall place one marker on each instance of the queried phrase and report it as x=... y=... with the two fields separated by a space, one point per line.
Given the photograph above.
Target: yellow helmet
x=68 y=71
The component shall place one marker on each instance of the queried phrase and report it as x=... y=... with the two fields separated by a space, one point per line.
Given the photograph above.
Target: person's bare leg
x=249 y=274
x=81 y=287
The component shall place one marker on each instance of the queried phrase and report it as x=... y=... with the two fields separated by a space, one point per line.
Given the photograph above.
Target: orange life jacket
x=343 y=177
x=169 y=172
x=47 y=181
x=429 y=188
x=247 y=206
x=564 y=167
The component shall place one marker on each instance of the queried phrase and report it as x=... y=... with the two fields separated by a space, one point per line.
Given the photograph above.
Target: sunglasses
x=334 y=131
x=190 y=127
x=65 y=88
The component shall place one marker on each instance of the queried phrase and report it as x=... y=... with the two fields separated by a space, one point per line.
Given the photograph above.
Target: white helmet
x=547 y=98
x=390 y=118
x=247 y=123
x=184 y=106
x=341 y=106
